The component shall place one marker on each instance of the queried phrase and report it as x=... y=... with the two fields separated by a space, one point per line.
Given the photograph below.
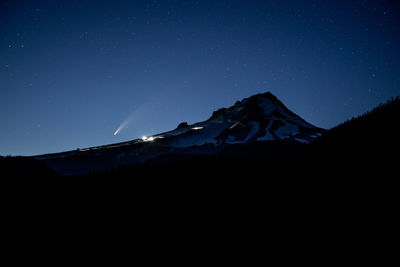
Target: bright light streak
x=123 y=124
x=135 y=115
x=197 y=128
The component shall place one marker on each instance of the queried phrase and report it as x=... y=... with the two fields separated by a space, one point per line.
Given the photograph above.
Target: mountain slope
x=258 y=118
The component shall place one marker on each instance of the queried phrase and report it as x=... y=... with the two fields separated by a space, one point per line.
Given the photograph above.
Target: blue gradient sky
x=72 y=71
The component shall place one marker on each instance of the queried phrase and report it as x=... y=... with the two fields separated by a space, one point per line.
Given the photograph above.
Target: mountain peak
x=266 y=95
x=255 y=107
x=246 y=103
x=256 y=118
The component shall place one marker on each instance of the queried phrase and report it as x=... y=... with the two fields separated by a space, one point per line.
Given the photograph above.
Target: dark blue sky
x=71 y=71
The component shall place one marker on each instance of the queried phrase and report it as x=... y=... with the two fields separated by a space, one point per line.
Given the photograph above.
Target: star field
x=72 y=71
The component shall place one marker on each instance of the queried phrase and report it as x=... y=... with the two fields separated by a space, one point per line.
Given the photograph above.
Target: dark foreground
x=334 y=201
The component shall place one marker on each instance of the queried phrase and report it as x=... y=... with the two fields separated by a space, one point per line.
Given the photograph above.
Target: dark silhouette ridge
x=24 y=167
x=373 y=136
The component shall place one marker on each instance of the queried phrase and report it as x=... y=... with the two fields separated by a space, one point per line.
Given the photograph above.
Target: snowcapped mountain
x=260 y=117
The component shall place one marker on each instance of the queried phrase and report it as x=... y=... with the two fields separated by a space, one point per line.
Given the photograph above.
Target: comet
x=125 y=123
x=139 y=112
x=117 y=131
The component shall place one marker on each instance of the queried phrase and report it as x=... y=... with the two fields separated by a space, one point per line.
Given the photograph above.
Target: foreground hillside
x=23 y=166
x=373 y=136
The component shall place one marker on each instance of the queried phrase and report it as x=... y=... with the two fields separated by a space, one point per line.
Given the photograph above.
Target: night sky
x=73 y=71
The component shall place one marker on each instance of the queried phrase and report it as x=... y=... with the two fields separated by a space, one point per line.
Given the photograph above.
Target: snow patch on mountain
x=268 y=136
x=287 y=131
x=254 y=130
